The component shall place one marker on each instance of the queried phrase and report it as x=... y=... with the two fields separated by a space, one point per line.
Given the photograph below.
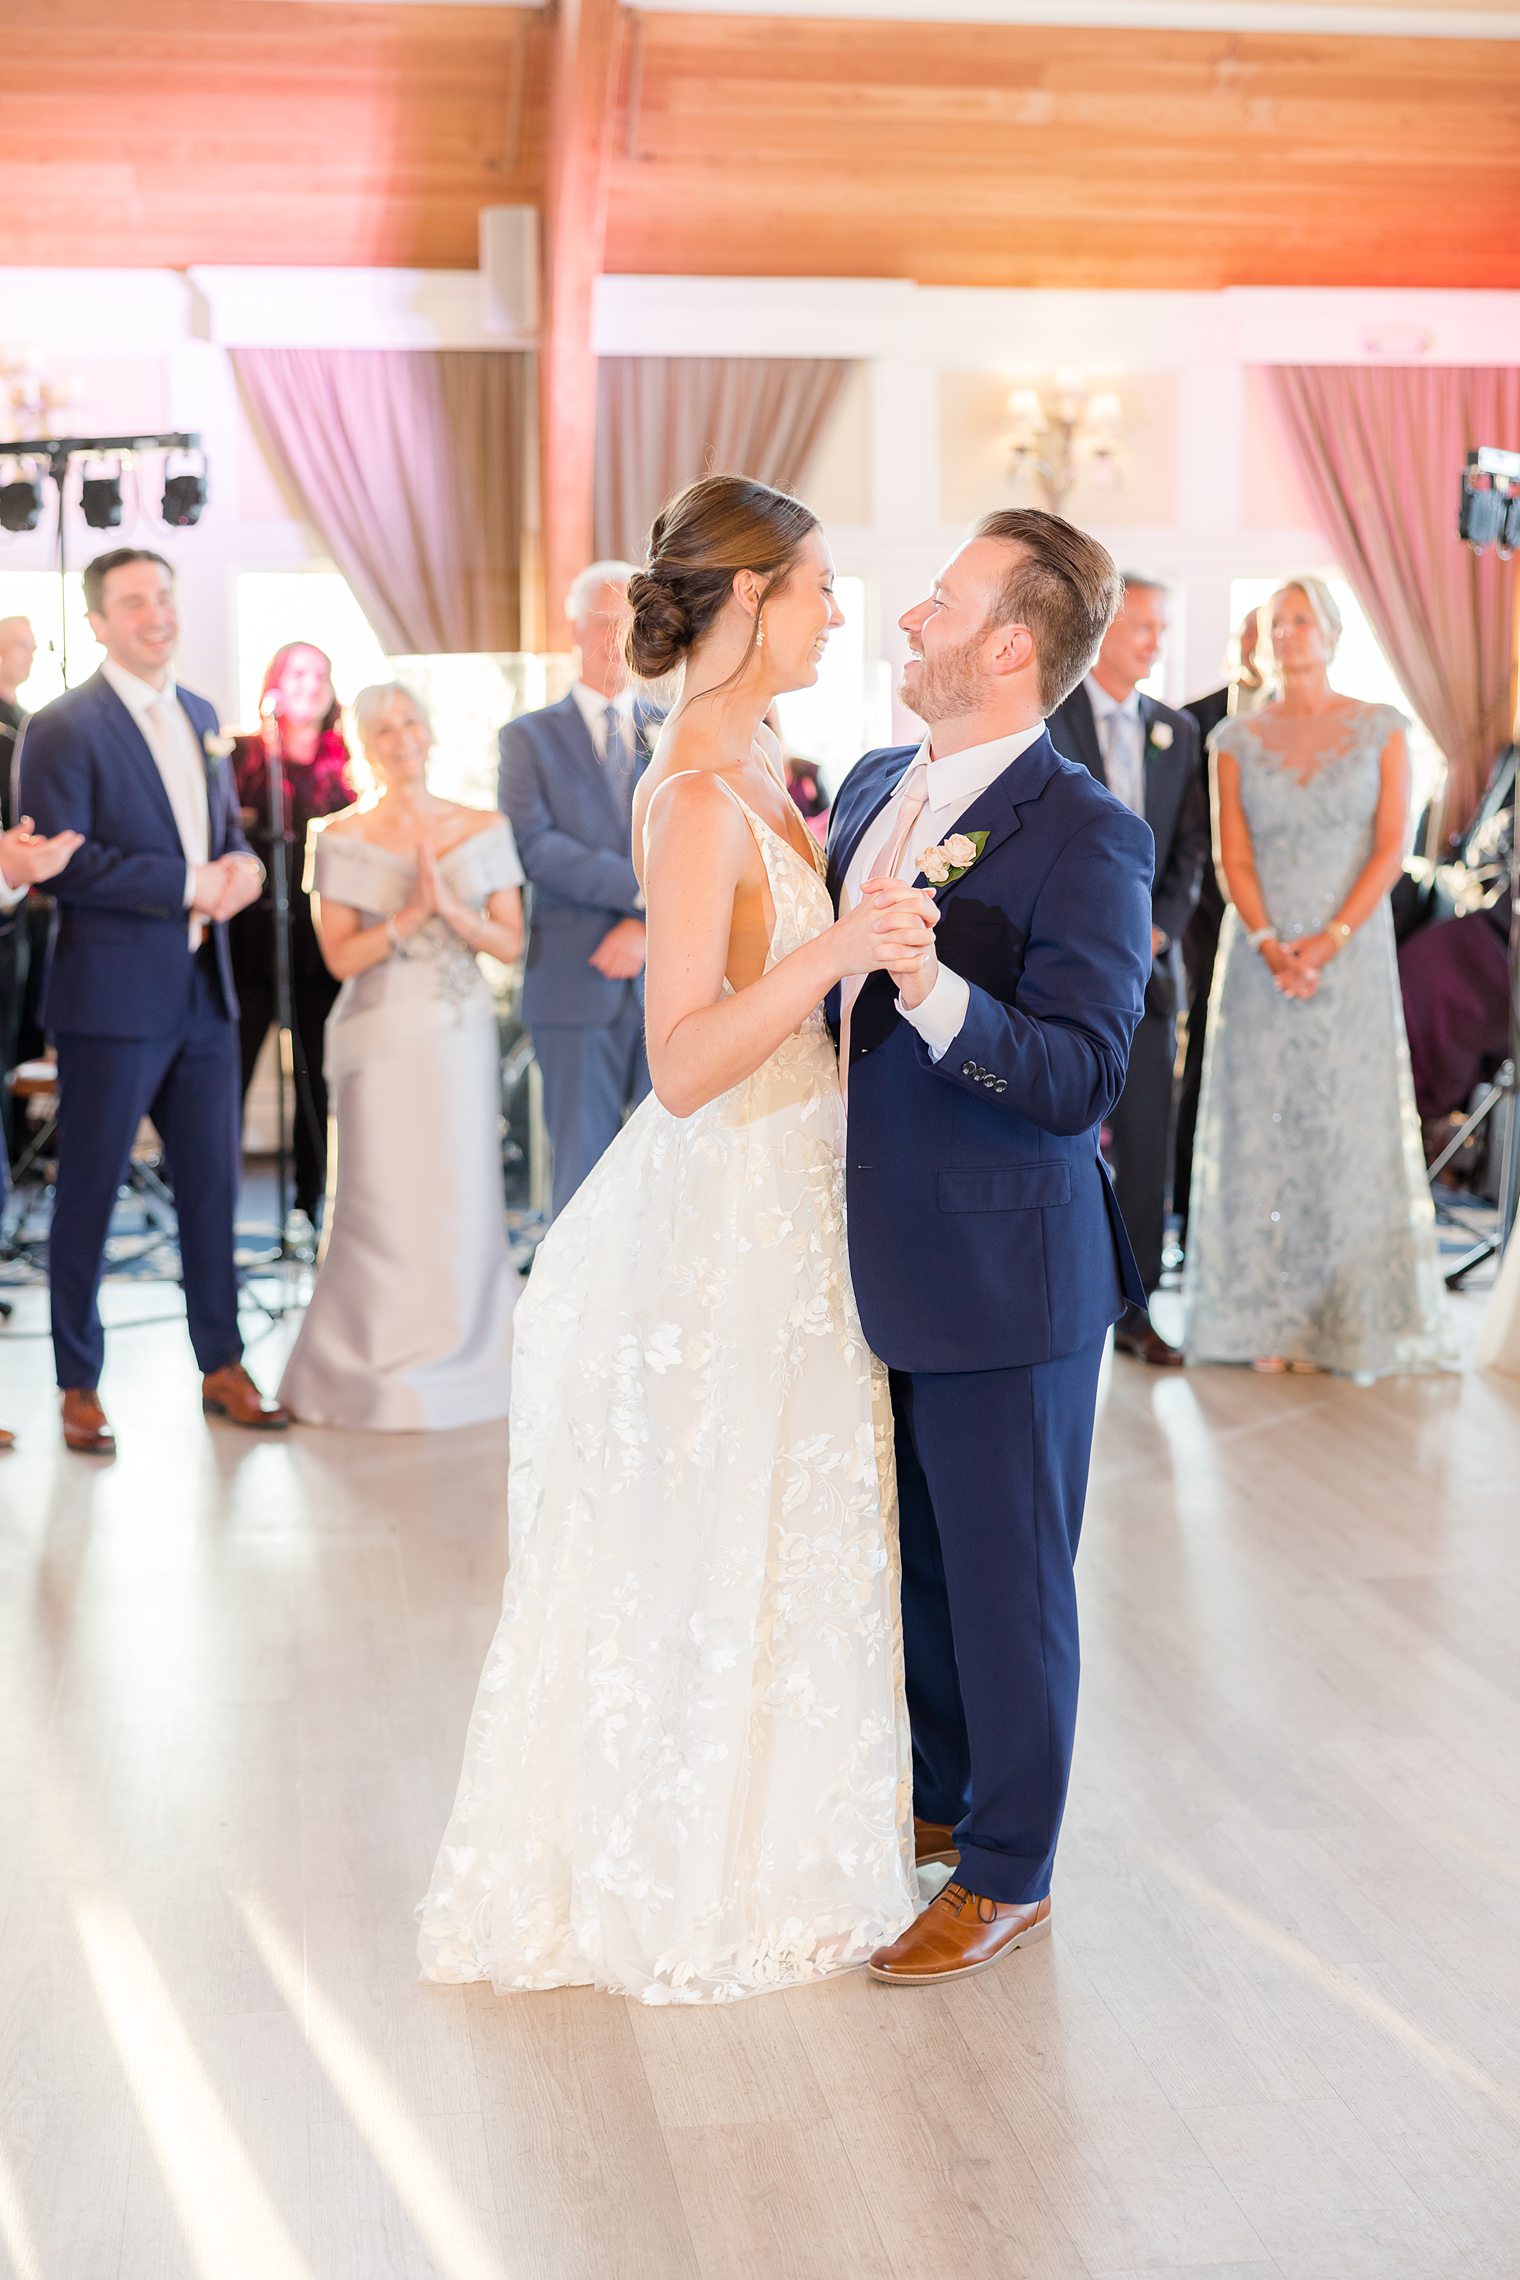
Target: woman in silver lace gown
x=410 y=1321
x=1311 y=1236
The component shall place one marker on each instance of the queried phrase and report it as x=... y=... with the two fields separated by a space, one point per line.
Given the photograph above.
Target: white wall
x=1209 y=494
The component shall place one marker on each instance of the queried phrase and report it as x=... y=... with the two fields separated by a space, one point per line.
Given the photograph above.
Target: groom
x=988 y=1255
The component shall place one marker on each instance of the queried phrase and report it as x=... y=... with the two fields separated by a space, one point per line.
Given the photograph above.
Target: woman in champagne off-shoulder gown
x=410 y=1321
x=687 y=1774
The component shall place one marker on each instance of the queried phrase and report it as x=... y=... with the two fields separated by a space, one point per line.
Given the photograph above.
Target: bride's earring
x=759 y=633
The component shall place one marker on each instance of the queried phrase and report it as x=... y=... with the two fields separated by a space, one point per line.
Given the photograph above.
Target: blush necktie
x=618 y=759
x=910 y=799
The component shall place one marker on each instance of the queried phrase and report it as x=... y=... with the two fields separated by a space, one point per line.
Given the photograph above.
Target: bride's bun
x=698 y=544
x=659 y=631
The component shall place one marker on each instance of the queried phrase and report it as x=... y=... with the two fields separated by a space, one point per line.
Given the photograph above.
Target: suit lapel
x=576 y=741
x=1080 y=718
x=122 y=731
x=870 y=796
x=996 y=810
x=1154 y=772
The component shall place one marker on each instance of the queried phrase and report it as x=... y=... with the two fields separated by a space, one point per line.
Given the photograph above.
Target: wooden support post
x=583 y=97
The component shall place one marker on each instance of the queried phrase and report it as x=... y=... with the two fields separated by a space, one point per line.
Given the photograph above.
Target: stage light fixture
x=21 y=503
x=184 y=497
x=100 y=496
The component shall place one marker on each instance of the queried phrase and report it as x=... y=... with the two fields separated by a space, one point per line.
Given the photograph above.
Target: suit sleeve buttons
x=970 y=1069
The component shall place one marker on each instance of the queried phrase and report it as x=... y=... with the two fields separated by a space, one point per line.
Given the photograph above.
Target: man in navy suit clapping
x=138 y=997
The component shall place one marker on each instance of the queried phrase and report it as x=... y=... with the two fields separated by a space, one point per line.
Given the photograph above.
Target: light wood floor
x=1276 y=2036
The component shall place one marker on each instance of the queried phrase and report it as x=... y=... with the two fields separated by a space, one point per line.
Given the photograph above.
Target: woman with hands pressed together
x=1311 y=1236
x=409 y=1324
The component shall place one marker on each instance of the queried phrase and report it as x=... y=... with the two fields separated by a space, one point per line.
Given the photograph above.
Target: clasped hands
x=432 y=898
x=224 y=887
x=891 y=929
x=1295 y=966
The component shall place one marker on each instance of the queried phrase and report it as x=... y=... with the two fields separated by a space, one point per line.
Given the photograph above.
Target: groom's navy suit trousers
x=989 y=1260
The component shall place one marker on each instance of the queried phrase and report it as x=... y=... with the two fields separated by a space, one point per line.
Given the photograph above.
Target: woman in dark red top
x=318 y=781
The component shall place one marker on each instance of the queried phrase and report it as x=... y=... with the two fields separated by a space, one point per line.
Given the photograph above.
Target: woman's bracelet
x=1261 y=934
x=1340 y=930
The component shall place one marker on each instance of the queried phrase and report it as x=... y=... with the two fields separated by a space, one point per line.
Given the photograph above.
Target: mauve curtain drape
x=416 y=468
x=661 y=421
x=1381 y=449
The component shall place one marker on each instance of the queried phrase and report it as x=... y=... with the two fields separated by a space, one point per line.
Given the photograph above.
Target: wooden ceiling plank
x=584 y=76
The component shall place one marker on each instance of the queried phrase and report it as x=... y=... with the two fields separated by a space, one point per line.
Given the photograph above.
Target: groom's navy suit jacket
x=983 y=1229
x=119 y=964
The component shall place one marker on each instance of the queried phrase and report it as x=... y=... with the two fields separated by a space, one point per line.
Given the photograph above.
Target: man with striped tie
x=567 y=781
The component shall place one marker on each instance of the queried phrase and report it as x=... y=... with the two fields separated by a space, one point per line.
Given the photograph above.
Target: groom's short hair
x=1064 y=586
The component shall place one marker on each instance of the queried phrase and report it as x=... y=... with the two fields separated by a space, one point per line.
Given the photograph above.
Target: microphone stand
x=279 y=885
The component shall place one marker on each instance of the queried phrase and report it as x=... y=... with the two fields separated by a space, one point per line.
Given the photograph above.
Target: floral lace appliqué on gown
x=687 y=1776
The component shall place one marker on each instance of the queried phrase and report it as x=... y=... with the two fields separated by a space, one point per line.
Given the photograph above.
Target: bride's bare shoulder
x=687 y=796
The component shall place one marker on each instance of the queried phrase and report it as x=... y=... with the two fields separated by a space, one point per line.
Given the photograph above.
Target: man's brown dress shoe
x=1136 y=1334
x=7 y=1439
x=231 y=1393
x=84 y=1423
x=933 y=1841
x=958 y=1933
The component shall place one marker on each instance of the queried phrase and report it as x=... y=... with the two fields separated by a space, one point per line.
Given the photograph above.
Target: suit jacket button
x=1001 y=1085
x=968 y=1068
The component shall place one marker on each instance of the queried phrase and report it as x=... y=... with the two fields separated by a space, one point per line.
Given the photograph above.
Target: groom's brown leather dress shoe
x=85 y=1429
x=231 y=1393
x=958 y=1933
x=7 y=1438
x=933 y=1841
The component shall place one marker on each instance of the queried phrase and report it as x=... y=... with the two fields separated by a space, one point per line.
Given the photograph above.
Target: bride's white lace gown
x=687 y=1776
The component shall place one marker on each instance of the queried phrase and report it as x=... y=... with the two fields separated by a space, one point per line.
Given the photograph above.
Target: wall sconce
x=28 y=402
x=1066 y=431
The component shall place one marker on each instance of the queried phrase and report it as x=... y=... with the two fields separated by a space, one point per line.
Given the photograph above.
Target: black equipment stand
x=1504 y=1087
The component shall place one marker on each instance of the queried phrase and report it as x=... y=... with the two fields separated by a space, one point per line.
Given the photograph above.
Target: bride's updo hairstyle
x=701 y=540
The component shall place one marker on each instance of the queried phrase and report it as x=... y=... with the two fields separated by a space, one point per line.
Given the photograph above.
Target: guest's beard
x=948 y=686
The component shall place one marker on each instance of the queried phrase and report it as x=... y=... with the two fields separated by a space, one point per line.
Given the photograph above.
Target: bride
x=687 y=1774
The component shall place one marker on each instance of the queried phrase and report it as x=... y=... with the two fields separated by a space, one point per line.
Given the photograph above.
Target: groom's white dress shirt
x=169 y=734
x=951 y=785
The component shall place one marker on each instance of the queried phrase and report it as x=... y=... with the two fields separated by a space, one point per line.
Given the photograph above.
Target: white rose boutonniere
x=218 y=747
x=952 y=858
x=1161 y=735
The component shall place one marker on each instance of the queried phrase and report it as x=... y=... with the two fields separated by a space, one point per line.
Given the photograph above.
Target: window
x=849 y=707
x=52 y=606
x=278 y=606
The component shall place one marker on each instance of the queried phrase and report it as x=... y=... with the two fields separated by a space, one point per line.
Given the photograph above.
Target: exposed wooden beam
x=583 y=81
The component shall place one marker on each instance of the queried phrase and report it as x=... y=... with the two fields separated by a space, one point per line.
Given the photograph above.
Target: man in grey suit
x=1147 y=754
x=567 y=781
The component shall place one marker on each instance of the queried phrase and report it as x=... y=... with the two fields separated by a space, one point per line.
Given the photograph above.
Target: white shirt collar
x=1103 y=704
x=593 y=707
x=956 y=781
x=137 y=695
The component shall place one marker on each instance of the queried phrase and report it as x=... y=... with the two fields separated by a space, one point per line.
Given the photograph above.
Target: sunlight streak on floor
x=15 y=2233
x=1332 y=1980
x=231 y=2227
x=448 y=2229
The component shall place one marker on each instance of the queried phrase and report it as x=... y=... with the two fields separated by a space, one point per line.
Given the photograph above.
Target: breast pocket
x=1010 y=1187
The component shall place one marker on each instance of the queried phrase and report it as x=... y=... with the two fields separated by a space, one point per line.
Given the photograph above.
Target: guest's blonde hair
x=370 y=703
x=1321 y=604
